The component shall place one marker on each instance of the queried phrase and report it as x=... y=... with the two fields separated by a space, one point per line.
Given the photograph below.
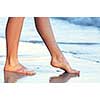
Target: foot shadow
x=11 y=77
x=65 y=77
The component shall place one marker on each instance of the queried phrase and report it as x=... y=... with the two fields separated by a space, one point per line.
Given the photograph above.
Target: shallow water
x=80 y=45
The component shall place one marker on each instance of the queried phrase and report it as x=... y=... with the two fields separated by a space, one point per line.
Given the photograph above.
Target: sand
x=79 y=44
x=36 y=57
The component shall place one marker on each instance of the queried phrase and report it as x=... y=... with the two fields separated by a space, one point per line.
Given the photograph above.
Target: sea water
x=80 y=43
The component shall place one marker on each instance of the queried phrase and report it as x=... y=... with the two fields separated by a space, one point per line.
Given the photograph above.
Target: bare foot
x=18 y=69
x=62 y=63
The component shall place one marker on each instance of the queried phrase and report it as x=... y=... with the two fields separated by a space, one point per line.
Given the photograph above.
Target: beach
x=79 y=44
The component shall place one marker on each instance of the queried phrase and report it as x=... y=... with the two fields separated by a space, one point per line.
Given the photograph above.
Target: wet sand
x=37 y=58
x=79 y=44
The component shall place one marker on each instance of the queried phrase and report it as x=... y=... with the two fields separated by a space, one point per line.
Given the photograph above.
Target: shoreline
x=36 y=57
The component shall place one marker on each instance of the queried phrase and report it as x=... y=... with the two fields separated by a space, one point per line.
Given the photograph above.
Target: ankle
x=58 y=57
x=11 y=61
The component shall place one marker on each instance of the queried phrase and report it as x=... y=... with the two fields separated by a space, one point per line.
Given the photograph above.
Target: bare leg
x=13 y=31
x=57 y=58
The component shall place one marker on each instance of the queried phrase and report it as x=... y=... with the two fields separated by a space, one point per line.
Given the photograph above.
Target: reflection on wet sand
x=11 y=77
x=62 y=78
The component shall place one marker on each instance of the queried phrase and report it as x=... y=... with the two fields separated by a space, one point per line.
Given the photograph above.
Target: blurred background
x=77 y=37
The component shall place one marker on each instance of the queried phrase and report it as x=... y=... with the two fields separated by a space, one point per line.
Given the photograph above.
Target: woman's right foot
x=62 y=63
x=18 y=69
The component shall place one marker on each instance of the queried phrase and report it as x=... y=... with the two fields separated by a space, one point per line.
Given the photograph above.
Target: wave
x=84 y=56
x=85 y=21
x=68 y=43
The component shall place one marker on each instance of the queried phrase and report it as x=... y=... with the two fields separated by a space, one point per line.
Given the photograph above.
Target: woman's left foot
x=19 y=69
